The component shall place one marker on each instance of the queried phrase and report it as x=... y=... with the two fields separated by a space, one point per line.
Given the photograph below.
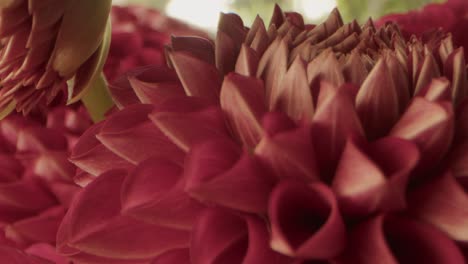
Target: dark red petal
x=242 y=100
x=443 y=202
x=437 y=90
x=290 y=154
x=393 y=240
x=154 y=193
x=91 y=156
x=15 y=256
x=376 y=179
x=428 y=124
x=235 y=182
x=305 y=221
x=377 y=101
x=221 y=237
x=335 y=121
x=187 y=128
x=198 y=77
x=179 y=256
x=130 y=134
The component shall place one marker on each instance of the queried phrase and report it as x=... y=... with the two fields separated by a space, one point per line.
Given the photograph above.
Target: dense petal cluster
x=36 y=178
x=451 y=16
x=43 y=44
x=138 y=38
x=286 y=143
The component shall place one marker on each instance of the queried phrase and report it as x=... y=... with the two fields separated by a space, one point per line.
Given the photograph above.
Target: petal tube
x=396 y=239
x=305 y=221
x=223 y=237
x=374 y=179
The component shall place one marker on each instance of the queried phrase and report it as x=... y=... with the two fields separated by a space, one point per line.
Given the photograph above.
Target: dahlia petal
x=229 y=38
x=290 y=154
x=198 y=47
x=92 y=259
x=429 y=70
x=455 y=71
x=93 y=157
x=64 y=192
x=272 y=68
x=324 y=67
x=392 y=240
x=185 y=129
x=305 y=221
x=257 y=37
x=122 y=92
x=428 y=124
x=23 y=198
x=41 y=228
x=133 y=123
x=247 y=62
x=443 y=203
x=377 y=101
x=437 y=90
x=400 y=78
x=151 y=90
x=180 y=256
x=354 y=70
x=242 y=183
x=223 y=237
x=15 y=256
x=335 y=121
x=376 y=180
x=198 y=77
x=46 y=251
x=78 y=39
x=277 y=122
x=94 y=226
x=154 y=193
x=239 y=100
x=328 y=27
x=459 y=163
x=294 y=96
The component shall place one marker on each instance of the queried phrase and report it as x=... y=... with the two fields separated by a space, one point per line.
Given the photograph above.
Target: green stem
x=97 y=99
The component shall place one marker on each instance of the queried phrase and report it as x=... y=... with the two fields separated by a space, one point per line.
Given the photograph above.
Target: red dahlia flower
x=138 y=38
x=292 y=143
x=43 y=44
x=36 y=184
x=451 y=16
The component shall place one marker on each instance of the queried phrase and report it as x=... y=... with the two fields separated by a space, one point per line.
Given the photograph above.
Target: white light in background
x=314 y=9
x=201 y=13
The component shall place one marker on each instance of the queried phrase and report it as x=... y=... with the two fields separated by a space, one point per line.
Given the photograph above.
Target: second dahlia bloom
x=138 y=38
x=44 y=44
x=286 y=143
x=36 y=184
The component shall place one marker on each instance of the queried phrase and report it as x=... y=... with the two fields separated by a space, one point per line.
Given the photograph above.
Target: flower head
x=286 y=143
x=44 y=44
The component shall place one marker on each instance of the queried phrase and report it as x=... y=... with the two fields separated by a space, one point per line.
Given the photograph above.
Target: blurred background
x=204 y=13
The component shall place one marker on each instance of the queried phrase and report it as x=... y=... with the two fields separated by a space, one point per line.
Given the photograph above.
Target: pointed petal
x=429 y=70
x=186 y=127
x=294 y=96
x=91 y=156
x=198 y=77
x=437 y=90
x=455 y=71
x=129 y=131
x=428 y=124
x=376 y=180
x=242 y=184
x=377 y=101
x=154 y=193
x=247 y=62
x=290 y=154
x=242 y=100
x=335 y=121
x=305 y=221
